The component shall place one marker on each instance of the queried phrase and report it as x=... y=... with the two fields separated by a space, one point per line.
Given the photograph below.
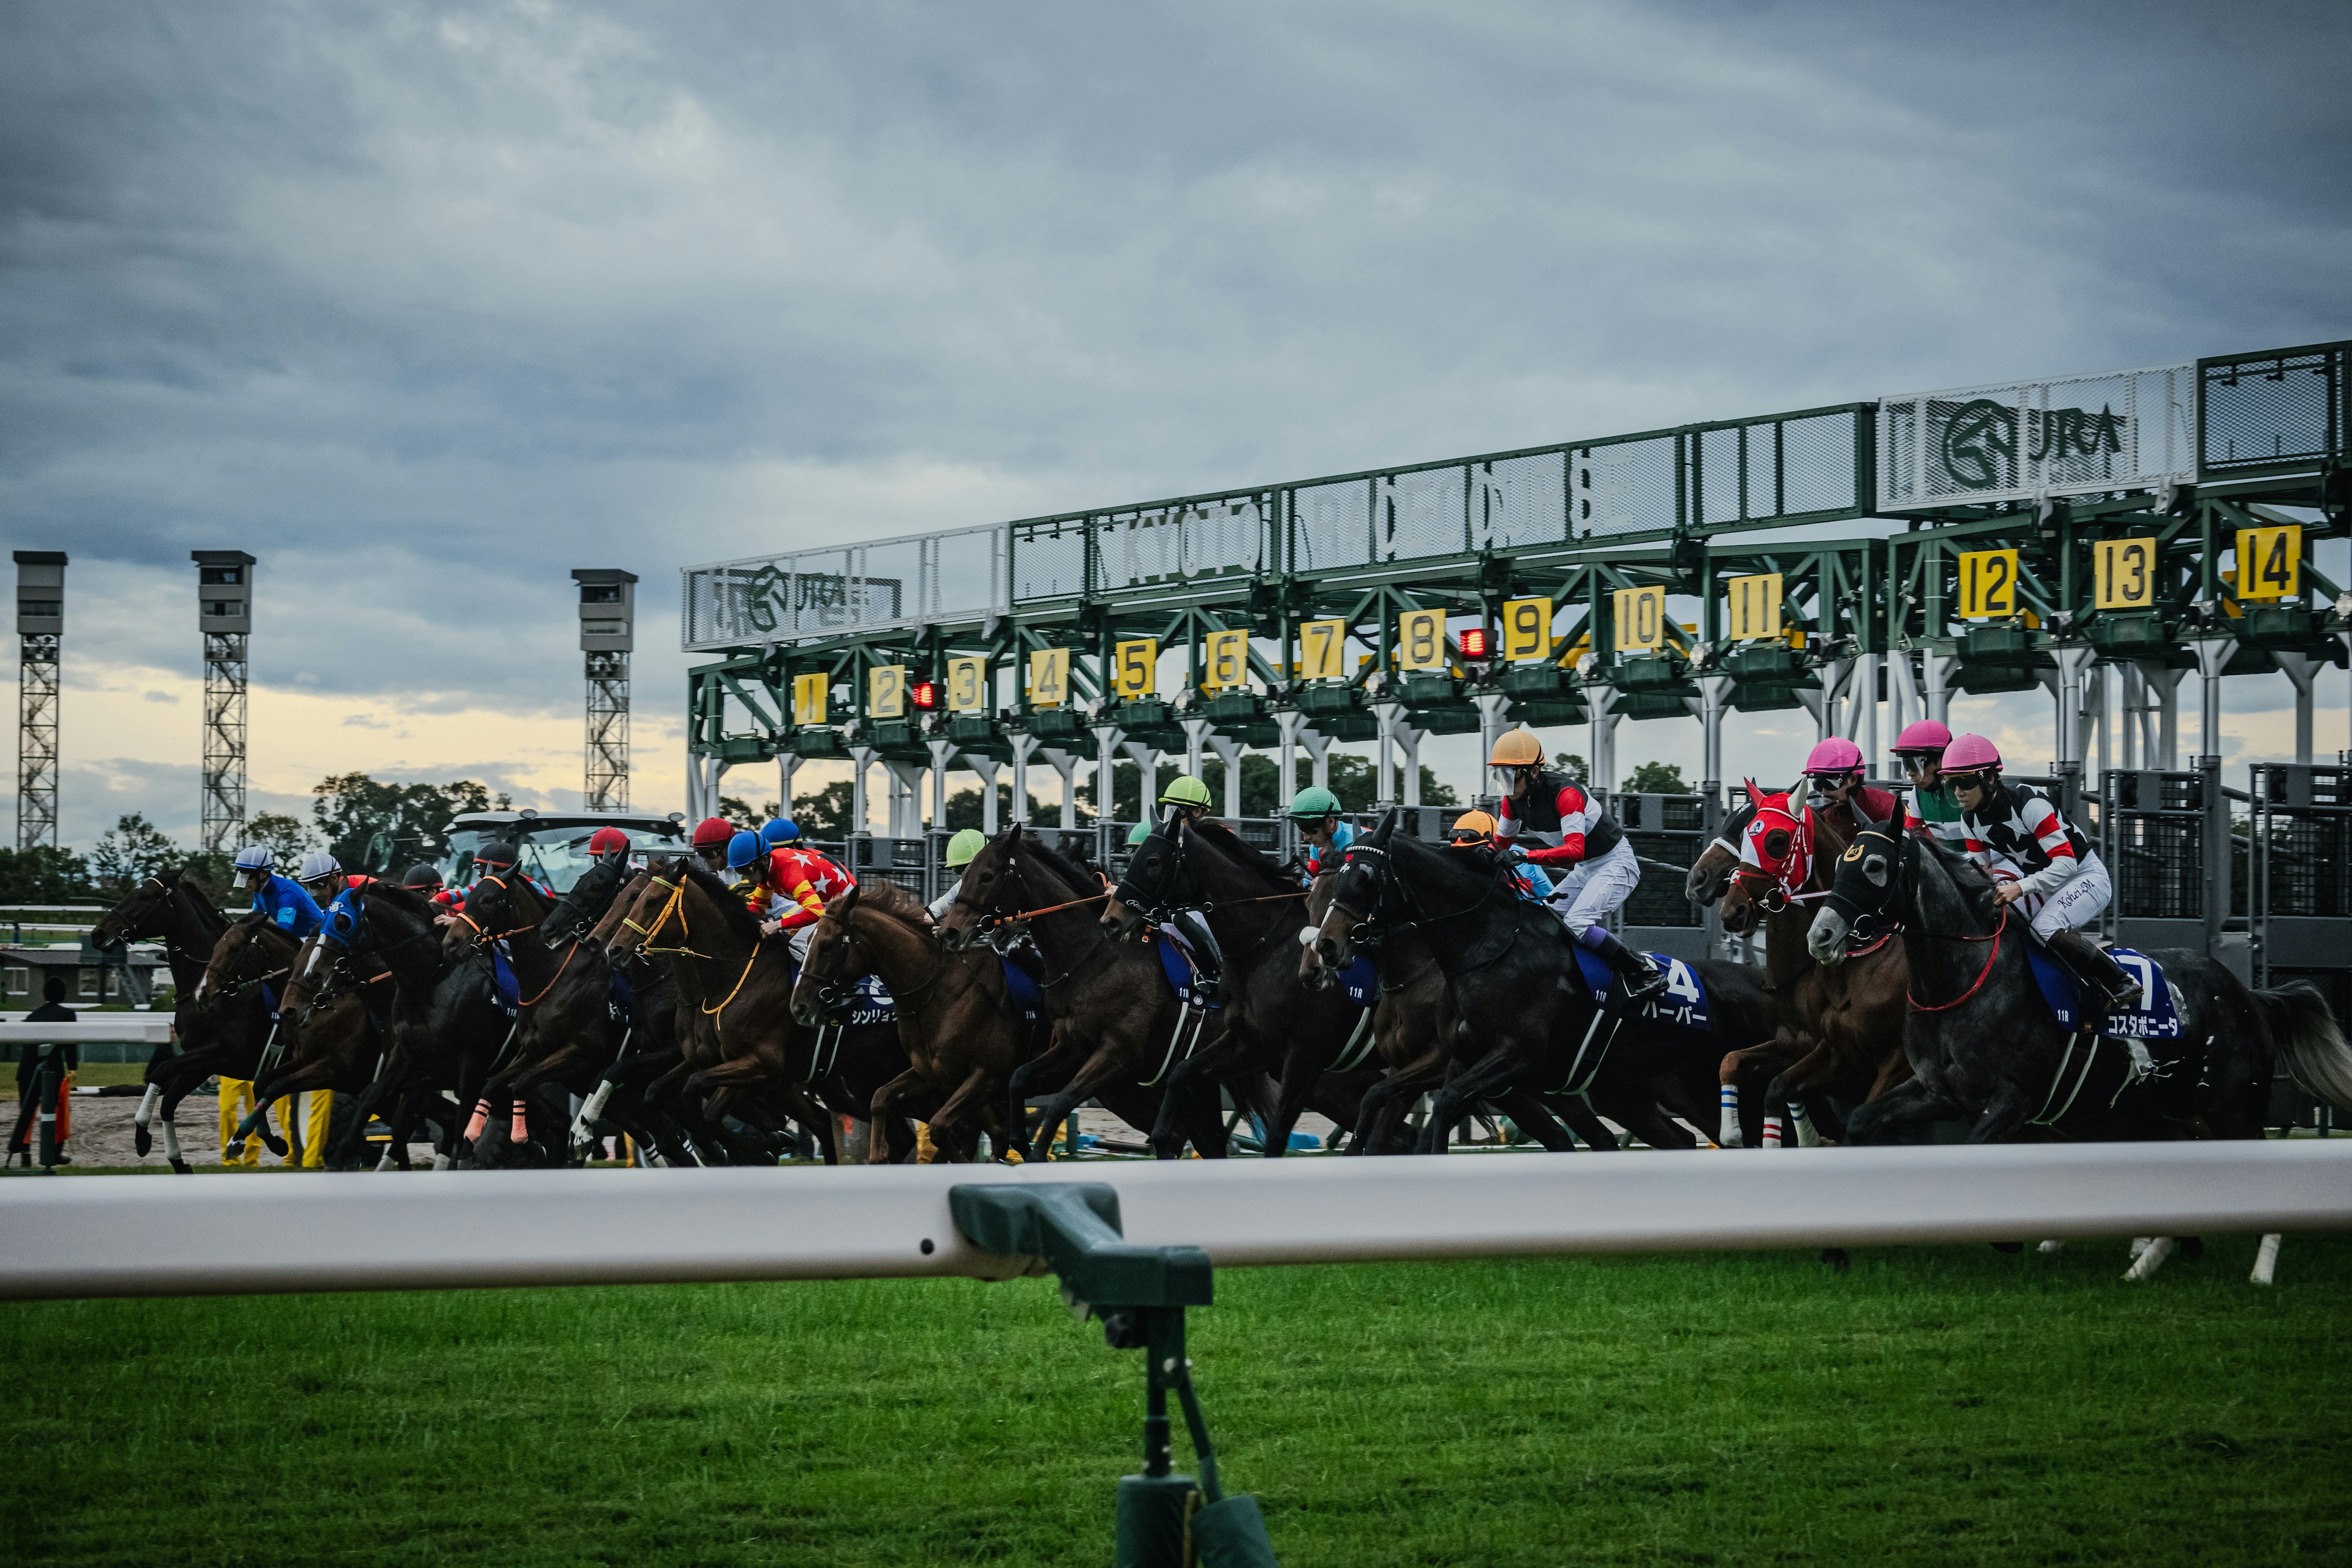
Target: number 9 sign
x=1526 y=629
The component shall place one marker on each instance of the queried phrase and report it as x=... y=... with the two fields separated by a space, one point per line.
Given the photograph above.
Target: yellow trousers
x=235 y=1102
x=304 y=1115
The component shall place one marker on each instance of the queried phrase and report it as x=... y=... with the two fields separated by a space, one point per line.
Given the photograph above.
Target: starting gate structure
x=2100 y=537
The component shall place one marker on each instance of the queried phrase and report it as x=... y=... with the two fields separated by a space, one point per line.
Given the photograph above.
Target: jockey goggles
x=1915 y=761
x=1826 y=782
x=1975 y=778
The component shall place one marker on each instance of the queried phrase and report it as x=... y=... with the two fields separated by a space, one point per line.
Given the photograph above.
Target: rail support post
x=1139 y=1293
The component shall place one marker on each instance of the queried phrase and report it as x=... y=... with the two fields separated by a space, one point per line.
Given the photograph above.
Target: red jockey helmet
x=608 y=841
x=713 y=831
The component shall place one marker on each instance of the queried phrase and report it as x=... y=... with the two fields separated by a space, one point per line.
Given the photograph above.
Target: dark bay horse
x=230 y=1007
x=1272 y=1022
x=1115 y=1016
x=1527 y=1020
x=962 y=1033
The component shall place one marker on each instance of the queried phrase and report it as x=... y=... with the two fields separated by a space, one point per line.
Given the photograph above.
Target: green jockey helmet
x=1184 y=790
x=1313 y=804
x=1138 y=833
x=966 y=844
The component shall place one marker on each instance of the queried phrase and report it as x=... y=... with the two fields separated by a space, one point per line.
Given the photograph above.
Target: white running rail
x=236 y=1234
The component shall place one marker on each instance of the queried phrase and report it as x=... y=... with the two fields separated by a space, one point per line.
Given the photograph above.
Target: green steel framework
x=1674 y=508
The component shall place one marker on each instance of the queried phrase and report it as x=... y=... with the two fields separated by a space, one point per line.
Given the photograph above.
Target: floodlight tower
x=608 y=618
x=40 y=632
x=225 y=615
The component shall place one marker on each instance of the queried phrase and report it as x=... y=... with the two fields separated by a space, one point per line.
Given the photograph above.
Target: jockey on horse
x=1834 y=788
x=1186 y=799
x=1572 y=831
x=787 y=877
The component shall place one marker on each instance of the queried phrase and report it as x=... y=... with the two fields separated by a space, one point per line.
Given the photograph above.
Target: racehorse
x=1838 y=1028
x=958 y=1022
x=231 y=1019
x=1110 y=1001
x=1528 y=1021
x=742 y=1050
x=1272 y=1024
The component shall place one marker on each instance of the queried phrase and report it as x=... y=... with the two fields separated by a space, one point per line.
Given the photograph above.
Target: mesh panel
x=2265 y=410
x=1331 y=526
x=862 y=588
x=1622 y=487
x=1667 y=832
x=1049 y=561
x=2156 y=856
x=1520 y=501
x=2127 y=430
x=1816 y=463
x=1420 y=512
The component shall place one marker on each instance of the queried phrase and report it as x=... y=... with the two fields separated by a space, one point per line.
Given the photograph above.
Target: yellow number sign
x=2270 y=563
x=1049 y=676
x=1988 y=583
x=1227 y=662
x=810 y=695
x=1133 y=664
x=885 y=691
x=1641 y=620
x=2127 y=573
x=1321 y=648
x=1527 y=628
x=966 y=686
x=1755 y=606
x=1421 y=639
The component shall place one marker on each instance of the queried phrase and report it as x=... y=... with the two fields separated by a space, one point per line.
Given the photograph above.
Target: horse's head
x=988 y=880
x=1711 y=873
x=1867 y=893
x=1158 y=877
x=1350 y=896
x=141 y=914
x=650 y=902
x=1775 y=861
x=579 y=911
x=833 y=963
x=230 y=957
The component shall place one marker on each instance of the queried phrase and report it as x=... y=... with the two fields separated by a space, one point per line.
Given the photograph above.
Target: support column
x=1865 y=700
x=1107 y=740
x=2212 y=654
x=1196 y=734
x=787 y=765
x=1066 y=764
x=2073 y=659
x=1714 y=691
x=2166 y=682
x=942 y=752
x=1492 y=721
x=1287 y=725
x=1023 y=747
x=1939 y=668
x=1230 y=750
x=2132 y=704
x=1389 y=713
x=2303 y=672
x=1146 y=774
x=986 y=768
x=906 y=799
x=861 y=758
x=1904 y=707
x=1408 y=741
x=1600 y=698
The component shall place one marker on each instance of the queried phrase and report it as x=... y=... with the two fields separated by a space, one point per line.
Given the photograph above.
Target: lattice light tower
x=225 y=615
x=40 y=634
x=608 y=618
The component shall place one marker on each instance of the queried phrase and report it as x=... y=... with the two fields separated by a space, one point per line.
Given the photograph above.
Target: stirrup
x=1645 y=981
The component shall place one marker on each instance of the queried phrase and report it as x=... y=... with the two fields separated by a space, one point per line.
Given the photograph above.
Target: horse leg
x=1583 y=1119
x=970 y=1098
x=1534 y=1117
x=1180 y=1100
x=1734 y=1062
x=1453 y=1098
x=1900 y=1109
x=1781 y=1096
x=905 y=1083
x=2006 y=1117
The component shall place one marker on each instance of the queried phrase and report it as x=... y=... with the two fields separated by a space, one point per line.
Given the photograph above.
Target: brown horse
x=1116 y=1018
x=1838 y=1029
x=958 y=1023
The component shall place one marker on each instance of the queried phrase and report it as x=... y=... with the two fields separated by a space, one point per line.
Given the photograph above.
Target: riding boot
x=1642 y=978
x=1208 y=958
x=2095 y=967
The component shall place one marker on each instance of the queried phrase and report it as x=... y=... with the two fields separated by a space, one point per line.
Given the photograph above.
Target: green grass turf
x=1931 y=1405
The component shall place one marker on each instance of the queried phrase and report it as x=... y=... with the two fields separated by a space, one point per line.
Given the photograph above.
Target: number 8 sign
x=1421 y=639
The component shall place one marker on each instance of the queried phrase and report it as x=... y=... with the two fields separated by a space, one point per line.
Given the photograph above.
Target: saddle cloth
x=2156 y=1019
x=1176 y=962
x=503 y=983
x=1682 y=1004
x=869 y=1004
x=1362 y=980
x=620 y=1001
x=1027 y=999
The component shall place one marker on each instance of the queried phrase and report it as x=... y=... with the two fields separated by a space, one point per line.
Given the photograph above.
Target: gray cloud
x=424 y=304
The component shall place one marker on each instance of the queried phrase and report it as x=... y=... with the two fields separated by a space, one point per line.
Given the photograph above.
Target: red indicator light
x=927 y=694
x=1473 y=642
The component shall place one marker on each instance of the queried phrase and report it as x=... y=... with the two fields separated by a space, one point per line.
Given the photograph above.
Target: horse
x=741 y=1048
x=1529 y=1021
x=1110 y=1001
x=961 y=1030
x=1272 y=1024
x=232 y=1020
x=1838 y=1028
x=1984 y=1044
x=169 y=908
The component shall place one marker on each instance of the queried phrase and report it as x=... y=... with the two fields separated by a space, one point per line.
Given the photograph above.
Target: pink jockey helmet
x=1969 y=754
x=1927 y=735
x=1834 y=755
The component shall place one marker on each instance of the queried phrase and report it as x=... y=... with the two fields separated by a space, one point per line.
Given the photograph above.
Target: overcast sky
x=425 y=305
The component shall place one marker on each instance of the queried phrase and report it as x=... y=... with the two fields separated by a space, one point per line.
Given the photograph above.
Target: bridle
x=989 y=921
x=1388 y=887
x=1171 y=894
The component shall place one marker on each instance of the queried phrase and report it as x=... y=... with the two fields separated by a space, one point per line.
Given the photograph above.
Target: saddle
x=1682 y=1005
x=1177 y=963
x=503 y=983
x=2157 y=1019
x=1028 y=998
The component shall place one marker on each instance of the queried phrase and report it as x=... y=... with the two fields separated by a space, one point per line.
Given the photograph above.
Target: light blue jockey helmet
x=777 y=832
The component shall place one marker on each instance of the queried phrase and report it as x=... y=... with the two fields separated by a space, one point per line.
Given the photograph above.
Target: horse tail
x=2310 y=1039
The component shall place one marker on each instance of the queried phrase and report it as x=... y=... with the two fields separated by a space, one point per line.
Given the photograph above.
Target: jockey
x=2060 y=866
x=798 y=881
x=498 y=859
x=1315 y=812
x=423 y=878
x=967 y=843
x=1572 y=831
x=777 y=832
x=1933 y=811
x=712 y=837
x=322 y=877
x=1835 y=790
x=1476 y=830
x=608 y=843
x=1186 y=799
x=279 y=899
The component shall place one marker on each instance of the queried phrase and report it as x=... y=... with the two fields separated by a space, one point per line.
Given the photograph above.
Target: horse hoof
x=231 y=1152
x=277 y=1146
x=2192 y=1248
x=2009 y=1247
x=183 y=1168
x=1836 y=1259
x=141 y=1139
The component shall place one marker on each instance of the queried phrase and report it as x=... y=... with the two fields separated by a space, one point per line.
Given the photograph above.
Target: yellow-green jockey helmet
x=967 y=843
x=1185 y=790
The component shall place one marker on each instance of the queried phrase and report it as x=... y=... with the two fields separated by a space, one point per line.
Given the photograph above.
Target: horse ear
x=846 y=904
x=1755 y=795
x=1382 y=834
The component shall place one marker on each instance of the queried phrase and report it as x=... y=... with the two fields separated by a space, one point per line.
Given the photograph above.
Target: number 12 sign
x=1987 y=584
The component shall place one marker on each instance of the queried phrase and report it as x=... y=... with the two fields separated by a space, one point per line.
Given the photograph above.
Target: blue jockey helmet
x=777 y=832
x=741 y=850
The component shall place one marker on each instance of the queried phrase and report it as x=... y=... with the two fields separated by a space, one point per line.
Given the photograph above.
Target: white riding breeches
x=1587 y=892
x=2079 y=902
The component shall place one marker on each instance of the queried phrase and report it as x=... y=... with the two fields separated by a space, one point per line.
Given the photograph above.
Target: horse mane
x=407 y=901
x=1462 y=868
x=1061 y=865
x=1249 y=857
x=731 y=908
x=1969 y=878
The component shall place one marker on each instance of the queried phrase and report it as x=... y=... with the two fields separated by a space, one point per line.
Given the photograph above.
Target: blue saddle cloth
x=1027 y=999
x=871 y=1004
x=2156 y=1019
x=1362 y=980
x=621 y=999
x=1682 y=1004
x=269 y=997
x=1178 y=964
x=503 y=983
